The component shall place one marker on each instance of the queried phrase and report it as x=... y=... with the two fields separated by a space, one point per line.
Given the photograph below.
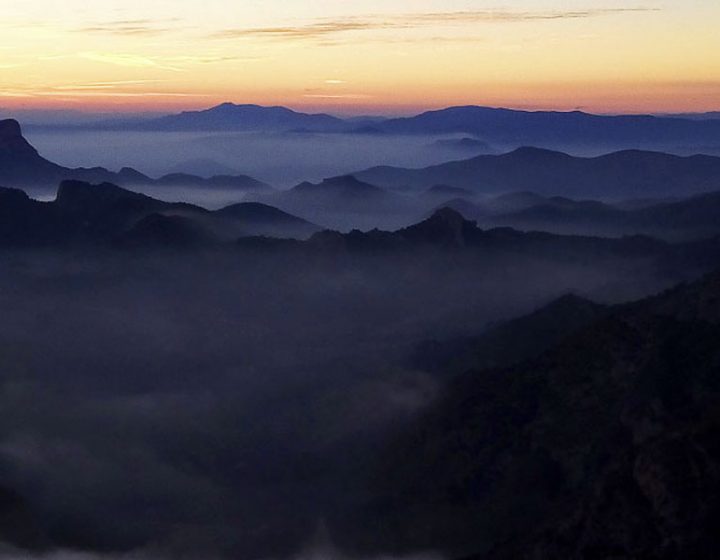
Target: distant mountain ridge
x=551 y=127
x=229 y=117
x=696 y=216
x=492 y=124
x=686 y=218
x=625 y=174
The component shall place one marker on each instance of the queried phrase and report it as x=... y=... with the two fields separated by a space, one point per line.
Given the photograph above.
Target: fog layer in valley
x=281 y=159
x=228 y=403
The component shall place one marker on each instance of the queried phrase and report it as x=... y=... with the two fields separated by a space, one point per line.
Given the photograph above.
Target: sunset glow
x=364 y=56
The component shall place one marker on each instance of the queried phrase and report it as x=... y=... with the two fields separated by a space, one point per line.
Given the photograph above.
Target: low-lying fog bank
x=222 y=404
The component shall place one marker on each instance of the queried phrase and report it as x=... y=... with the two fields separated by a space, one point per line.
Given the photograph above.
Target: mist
x=223 y=403
x=280 y=159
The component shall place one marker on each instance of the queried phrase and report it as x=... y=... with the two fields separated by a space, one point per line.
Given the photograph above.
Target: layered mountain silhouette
x=22 y=166
x=602 y=445
x=493 y=125
x=693 y=217
x=268 y=221
x=627 y=174
x=467 y=145
x=446 y=192
x=345 y=200
x=83 y=213
x=447 y=230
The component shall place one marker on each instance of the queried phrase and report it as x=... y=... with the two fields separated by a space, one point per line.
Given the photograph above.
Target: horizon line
x=348 y=111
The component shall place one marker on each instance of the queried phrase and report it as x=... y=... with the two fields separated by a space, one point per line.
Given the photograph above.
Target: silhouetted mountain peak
x=256 y=210
x=230 y=116
x=533 y=153
x=446 y=227
x=344 y=185
x=103 y=203
x=12 y=141
x=344 y=180
x=449 y=217
x=235 y=108
x=9 y=128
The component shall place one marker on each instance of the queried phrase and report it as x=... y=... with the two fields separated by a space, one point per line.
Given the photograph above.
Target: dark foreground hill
x=604 y=446
x=88 y=214
x=98 y=215
x=627 y=174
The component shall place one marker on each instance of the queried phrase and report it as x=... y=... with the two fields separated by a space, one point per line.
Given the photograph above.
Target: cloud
x=86 y=93
x=131 y=27
x=327 y=28
x=106 y=85
x=337 y=96
x=128 y=60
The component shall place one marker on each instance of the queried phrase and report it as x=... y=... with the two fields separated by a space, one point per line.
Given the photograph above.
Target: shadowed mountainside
x=90 y=214
x=602 y=446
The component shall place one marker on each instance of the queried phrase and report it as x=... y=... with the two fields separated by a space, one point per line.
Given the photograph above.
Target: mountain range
x=22 y=166
x=494 y=125
x=625 y=174
x=553 y=127
x=543 y=189
x=87 y=214
x=83 y=214
x=232 y=117
x=692 y=217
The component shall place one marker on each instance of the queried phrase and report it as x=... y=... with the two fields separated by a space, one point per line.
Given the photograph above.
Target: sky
x=361 y=56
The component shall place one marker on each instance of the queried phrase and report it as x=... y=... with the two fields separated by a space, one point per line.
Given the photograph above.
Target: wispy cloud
x=75 y=92
x=132 y=27
x=119 y=84
x=118 y=94
x=338 y=96
x=330 y=28
x=128 y=60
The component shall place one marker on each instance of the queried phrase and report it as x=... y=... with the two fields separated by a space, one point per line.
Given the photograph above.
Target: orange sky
x=361 y=55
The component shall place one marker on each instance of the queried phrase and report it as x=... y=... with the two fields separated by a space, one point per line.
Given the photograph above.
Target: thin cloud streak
x=324 y=28
x=135 y=27
x=128 y=60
